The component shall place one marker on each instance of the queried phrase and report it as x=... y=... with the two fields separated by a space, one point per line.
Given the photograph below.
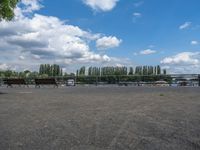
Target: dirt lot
x=100 y=118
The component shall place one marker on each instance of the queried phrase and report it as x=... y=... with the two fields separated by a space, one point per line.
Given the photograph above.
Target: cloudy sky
x=74 y=33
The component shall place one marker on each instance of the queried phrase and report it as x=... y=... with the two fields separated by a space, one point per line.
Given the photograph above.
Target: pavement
x=100 y=118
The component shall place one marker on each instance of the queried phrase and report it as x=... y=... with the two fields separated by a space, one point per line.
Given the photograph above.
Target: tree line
x=45 y=70
x=94 y=75
x=54 y=70
x=121 y=71
x=114 y=75
x=50 y=70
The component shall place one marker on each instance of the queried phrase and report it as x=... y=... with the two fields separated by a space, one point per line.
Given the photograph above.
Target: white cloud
x=182 y=58
x=31 y=5
x=185 y=62
x=119 y=62
x=101 y=5
x=137 y=14
x=194 y=42
x=36 y=39
x=37 y=57
x=185 y=25
x=108 y=42
x=147 y=52
x=3 y=66
x=21 y=57
x=48 y=37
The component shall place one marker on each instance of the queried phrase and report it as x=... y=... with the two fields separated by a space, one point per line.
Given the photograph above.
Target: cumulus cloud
x=194 y=42
x=108 y=42
x=21 y=57
x=182 y=58
x=185 y=25
x=3 y=66
x=35 y=39
x=31 y=5
x=101 y=5
x=48 y=35
x=185 y=62
x=147 y=52
x=137 y=14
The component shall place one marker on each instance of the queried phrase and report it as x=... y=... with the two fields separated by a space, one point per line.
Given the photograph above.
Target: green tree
x=145 y=70
x=82 y=71
x=90 y=71
x=77 y=72
x=7 y=9
x=8 y=73
x=61 y=72
x=41 y=70
x=155 y=70
x=164 y=71
x=130 y=71
x=34 y=74
x=138 y=70
x=158 y=70
x=150 y=70
x=50 y=70
x=27 y=73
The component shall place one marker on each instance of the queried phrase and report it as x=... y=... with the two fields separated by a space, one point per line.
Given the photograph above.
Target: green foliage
x=113 y=75
x=82 y=70
x=50 y=70
x=94 y=71
x=164 y=71
x=138 y=70
x=158 y=70
x=142 y=71
x=131 y=71
x=7 y=9
x=14 y=74
x=44 y=76
x=45 y=70
x=150 y=70
x=107 y=71
x=110 y=75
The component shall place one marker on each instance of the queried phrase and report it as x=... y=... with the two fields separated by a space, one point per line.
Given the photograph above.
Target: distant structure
x=199 y=79
x=70 y=82
x=186 y=79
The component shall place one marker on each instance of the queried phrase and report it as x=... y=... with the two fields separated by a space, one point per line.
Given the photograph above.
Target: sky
x=75 y=33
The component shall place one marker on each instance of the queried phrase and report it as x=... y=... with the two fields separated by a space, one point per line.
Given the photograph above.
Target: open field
x=100 y=118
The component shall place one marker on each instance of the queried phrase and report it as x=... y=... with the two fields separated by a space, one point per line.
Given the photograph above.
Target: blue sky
x=119 y=32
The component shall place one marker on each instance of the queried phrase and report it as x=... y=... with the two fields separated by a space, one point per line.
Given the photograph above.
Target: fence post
x=199 y=79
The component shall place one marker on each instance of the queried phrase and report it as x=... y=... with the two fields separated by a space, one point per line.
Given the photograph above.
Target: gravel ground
x=100 y=118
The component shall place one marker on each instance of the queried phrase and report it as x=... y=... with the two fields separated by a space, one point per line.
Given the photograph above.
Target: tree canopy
x=7 y=9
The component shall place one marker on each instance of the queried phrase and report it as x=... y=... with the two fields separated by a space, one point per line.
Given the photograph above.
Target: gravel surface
x=100 y=118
